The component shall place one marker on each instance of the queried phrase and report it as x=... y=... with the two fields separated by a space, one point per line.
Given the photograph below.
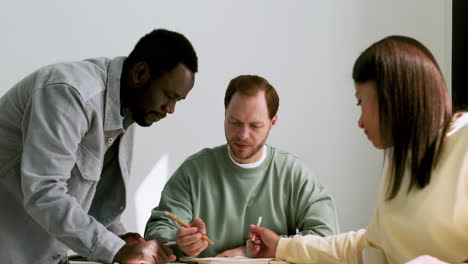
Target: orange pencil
x=173 y=217
x=258 y=224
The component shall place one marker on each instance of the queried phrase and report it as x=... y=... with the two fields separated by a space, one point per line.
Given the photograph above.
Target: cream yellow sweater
x=431 y=221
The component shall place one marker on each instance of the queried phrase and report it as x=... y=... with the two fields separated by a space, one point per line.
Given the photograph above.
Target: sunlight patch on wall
x=149 y=192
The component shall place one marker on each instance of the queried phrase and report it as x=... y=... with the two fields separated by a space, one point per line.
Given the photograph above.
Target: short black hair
x=163 y=50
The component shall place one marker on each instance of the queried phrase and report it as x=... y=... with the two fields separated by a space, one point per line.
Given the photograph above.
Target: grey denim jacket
x=60 y=187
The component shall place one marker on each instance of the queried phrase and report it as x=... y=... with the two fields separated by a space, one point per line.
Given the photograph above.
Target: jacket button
x=110 y=140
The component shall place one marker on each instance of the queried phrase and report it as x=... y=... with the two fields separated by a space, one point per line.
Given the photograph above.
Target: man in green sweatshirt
x=220 y=191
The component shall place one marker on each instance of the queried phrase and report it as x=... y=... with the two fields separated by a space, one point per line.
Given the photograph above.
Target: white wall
x=305 y=48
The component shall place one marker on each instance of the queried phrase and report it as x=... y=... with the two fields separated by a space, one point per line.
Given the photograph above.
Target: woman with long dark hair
x=421 y=212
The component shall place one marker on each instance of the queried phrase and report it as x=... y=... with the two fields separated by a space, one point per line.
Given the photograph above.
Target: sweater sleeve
x=175 y=199
x=341 y=248
x=315 y=212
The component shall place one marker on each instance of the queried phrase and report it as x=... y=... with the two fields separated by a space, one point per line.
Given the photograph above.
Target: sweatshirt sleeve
x=315 y=212
x=341 y=248
x=175 y=199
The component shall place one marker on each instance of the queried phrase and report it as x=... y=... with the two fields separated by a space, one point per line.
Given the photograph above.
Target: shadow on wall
x=142 y=198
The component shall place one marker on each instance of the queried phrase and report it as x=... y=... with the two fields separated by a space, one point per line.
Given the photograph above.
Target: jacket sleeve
x=315 y=211
x=54 y=123
x=175 y=199
x=117 y=227
x=342 y=248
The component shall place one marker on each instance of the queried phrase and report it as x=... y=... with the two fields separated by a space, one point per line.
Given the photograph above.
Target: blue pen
x=258 y=224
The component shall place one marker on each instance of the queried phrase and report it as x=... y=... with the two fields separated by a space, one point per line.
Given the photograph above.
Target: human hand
x=148 y=252
x=132 y=238
x=240 y=251
x=426 y=259
x=265 y=244
x=189 y=239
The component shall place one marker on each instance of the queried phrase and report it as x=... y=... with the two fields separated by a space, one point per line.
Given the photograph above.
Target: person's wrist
x=118 y=255
x=276 y=243
x=279 y=246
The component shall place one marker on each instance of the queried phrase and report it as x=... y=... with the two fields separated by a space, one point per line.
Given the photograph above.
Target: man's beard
x=140 y=119
x=133 y=102
x=138 y=115
x=242 y=155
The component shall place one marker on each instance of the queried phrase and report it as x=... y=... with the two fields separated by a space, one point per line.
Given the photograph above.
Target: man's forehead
x=243 y=115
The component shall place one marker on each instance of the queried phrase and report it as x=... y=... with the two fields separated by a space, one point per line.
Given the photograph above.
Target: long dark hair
x=413 y=106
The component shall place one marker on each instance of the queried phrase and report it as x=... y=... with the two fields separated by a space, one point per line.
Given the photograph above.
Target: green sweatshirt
x=228 y=198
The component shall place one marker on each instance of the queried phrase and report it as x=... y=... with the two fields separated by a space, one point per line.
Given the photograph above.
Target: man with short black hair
x=66 y=150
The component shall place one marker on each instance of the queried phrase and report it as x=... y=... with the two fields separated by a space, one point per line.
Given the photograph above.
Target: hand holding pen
x=265 y=244
x=191 y=239
x=259 y=222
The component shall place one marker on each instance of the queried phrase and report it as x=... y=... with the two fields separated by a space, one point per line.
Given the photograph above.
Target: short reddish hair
x=250 y=85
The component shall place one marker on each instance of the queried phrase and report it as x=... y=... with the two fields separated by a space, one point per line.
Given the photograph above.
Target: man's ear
x=274 y=120
x=140 y=74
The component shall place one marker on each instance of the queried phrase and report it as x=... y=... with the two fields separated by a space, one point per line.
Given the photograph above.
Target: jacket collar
x=113 y=119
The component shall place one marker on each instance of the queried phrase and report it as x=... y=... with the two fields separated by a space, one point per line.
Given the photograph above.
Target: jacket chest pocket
x=88 y=165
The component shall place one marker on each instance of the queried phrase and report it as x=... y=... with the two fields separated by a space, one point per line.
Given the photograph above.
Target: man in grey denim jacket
x=66 y=149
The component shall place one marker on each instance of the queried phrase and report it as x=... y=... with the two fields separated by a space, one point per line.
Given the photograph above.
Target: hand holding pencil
x=191 y=239
x=265 y=244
